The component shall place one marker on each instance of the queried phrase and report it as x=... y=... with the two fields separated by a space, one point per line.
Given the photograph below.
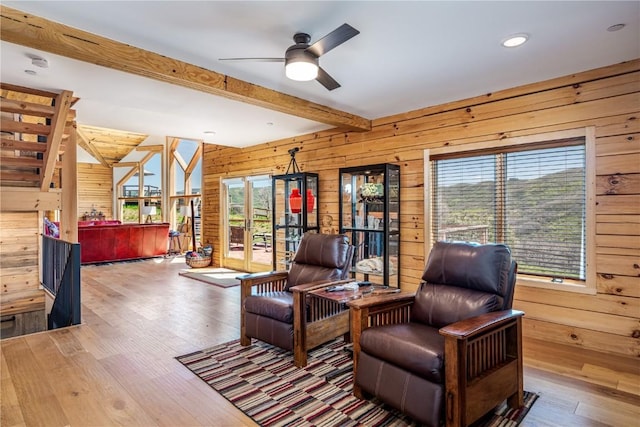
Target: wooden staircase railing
x=61 y=278
x=34 y=125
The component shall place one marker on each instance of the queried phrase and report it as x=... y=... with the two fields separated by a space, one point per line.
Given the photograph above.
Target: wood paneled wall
x=19 y=259
x=95 y=189
x=606 y=98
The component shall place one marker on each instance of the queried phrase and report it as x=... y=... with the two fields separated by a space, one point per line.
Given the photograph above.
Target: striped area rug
x=262 y=382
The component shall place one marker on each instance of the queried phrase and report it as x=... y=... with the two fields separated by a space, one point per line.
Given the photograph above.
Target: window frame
x=175 y=161
x=587 y=286
x=137 y=167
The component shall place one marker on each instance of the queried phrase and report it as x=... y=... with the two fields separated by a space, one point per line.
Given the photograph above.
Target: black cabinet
x=370 y=216
x=295 y=211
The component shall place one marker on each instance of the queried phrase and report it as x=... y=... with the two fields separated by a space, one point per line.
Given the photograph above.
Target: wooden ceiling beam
x=88 y=144
x=39 y=33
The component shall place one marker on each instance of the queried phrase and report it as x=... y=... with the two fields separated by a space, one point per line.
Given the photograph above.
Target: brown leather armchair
x=451 y=352
x=275 y=306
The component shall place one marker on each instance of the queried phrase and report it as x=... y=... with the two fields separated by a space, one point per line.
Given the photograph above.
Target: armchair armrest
x=474 y=326
x=483 y=364
x=376 y=310
x=266 y=282
x=312 y=286
x=381 y=302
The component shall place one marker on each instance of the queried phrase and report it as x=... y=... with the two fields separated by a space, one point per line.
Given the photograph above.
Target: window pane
x=464 y=199
x=152 y=177
x=545 y=210
x=131 y=188
x=534 y=201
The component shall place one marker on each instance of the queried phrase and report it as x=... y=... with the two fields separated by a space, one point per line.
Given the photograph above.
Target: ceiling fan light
x=301 y=70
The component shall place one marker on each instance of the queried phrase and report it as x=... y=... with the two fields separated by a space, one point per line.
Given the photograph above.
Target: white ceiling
x=409 y=55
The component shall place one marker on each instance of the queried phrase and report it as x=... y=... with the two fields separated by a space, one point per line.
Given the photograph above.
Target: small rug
x=262 y=382
x=222 y=277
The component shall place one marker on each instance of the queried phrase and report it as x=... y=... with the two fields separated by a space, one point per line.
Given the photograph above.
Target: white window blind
x=530 y=199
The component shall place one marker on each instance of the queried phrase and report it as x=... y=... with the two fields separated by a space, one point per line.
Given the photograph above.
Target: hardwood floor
x=118 y=367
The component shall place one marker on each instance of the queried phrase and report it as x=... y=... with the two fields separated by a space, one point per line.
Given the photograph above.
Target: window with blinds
x=531 y=198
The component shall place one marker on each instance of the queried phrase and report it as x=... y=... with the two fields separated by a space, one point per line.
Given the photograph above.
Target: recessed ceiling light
x=30 y=72
x=515 y=40
x=209 y=132
x=269 y=123
x=616 y=27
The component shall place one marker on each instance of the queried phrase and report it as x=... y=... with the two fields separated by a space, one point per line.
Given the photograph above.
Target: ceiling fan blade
x=326 y=80
x=253 y=59
x=333 y=39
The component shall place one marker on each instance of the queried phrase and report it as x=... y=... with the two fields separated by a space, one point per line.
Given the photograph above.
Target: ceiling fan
x=301 y=59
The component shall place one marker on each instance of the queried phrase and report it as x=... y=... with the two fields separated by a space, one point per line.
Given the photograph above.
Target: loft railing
x=61 y=278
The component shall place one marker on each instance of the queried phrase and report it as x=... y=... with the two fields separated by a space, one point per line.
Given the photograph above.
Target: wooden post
x=299 y=334
x=359 y=322
x=69 y=214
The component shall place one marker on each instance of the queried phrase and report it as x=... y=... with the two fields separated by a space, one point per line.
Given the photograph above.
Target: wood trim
x=194 y=160
x=176 y=155
x=24 y=89
x=18 y=200
x=575 y=80
x=39 y=33
x=13 y=144
x=155 y=148
x=588 y=133
x=135 y=167
x=54 y=140
x=24 y=107
x=25 y=127
x=510 y=142
x=19 y=176
x=590 y=178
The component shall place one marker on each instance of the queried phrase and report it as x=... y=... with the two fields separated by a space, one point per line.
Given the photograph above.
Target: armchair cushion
x=320 y=257
x=487 y=268
x=275 y=305
x=441 y=305
x=414 y=347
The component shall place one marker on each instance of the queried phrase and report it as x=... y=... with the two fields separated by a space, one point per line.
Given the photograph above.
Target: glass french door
x=247 y=223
